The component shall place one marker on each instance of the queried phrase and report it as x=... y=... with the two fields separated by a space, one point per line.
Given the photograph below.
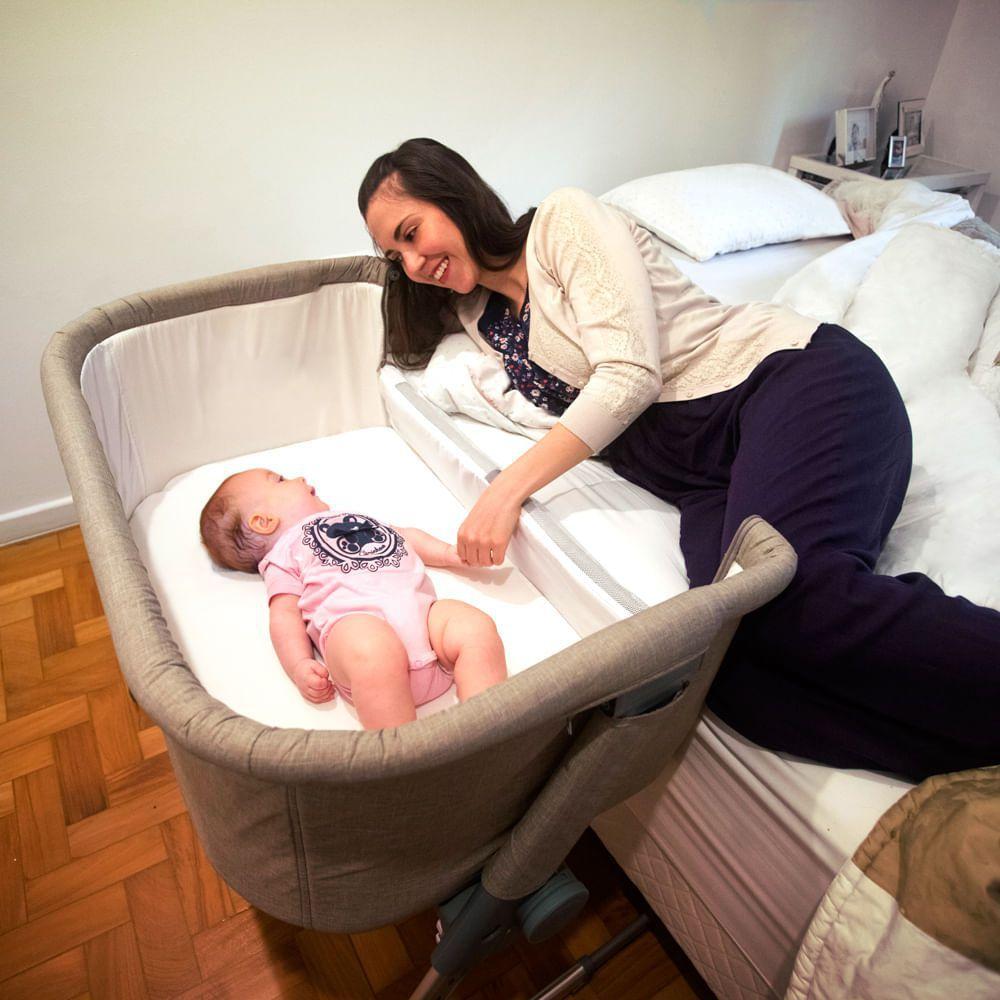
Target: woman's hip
x=833 y=395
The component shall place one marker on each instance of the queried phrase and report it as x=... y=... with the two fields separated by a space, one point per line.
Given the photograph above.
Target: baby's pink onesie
x=339 y=564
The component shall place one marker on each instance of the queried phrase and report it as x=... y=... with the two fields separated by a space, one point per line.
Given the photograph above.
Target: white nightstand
x=938 y=175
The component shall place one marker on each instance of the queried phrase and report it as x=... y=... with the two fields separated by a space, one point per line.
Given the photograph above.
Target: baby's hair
x=229 y=541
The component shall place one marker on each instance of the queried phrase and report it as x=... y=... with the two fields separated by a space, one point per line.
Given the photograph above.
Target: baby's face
x=263 y=492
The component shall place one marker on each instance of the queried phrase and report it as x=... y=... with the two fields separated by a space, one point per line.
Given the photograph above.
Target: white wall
x=147 y=142
x=963 y=104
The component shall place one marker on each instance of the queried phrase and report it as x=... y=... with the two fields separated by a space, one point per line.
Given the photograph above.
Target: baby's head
x=247 y=513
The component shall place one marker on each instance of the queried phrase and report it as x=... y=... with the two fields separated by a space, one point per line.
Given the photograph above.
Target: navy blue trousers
x=847 y=667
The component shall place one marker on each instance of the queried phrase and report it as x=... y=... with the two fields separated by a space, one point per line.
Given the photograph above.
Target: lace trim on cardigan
x=595 y=279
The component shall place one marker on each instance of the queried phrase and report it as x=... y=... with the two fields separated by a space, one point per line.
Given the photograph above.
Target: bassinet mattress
x=219 y=617
x=758 y=835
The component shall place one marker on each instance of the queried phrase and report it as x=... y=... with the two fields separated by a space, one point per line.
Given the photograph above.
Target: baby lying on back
x=355 y=589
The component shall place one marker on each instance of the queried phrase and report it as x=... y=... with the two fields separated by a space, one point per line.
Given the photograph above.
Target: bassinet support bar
x=346 y=831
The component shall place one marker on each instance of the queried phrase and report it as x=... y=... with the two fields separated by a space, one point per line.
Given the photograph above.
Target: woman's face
x=422 y=238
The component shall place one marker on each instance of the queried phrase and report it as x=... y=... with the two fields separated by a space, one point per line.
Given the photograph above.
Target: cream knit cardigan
x=613 y=317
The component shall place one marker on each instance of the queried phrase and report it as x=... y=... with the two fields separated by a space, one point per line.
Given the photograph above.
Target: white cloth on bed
x=461 y=378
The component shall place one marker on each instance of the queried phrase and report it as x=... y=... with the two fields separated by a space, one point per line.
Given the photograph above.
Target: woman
x=724 y=412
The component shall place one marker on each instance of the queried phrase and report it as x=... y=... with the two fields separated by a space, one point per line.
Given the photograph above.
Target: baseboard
x=17 y=525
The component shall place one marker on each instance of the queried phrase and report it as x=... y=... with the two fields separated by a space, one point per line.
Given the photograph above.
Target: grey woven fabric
x=345 y=831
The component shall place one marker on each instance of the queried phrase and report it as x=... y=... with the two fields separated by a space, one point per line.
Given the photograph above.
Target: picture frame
x=913 y=125
x=856 y=138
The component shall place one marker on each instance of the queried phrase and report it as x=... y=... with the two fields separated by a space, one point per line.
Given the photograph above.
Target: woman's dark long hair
x=427 y=170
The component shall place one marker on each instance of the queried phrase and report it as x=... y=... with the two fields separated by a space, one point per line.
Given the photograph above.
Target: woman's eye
x=409 y=234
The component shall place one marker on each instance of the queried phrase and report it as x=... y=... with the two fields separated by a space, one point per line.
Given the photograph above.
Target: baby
x=356 y=589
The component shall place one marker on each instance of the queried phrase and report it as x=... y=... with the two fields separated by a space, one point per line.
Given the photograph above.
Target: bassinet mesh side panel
x=325 y=828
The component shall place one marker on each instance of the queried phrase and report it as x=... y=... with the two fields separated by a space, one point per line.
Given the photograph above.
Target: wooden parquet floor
x=105 y=891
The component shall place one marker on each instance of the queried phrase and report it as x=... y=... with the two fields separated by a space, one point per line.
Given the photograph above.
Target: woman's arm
x=588 y=251
x=485 y=534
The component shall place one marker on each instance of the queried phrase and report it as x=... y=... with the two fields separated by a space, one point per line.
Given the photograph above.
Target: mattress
x=219 y=617
x=758 y=835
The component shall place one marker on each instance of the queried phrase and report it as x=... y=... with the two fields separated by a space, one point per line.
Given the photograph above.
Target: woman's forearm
x=485 y=534
x=557 y=452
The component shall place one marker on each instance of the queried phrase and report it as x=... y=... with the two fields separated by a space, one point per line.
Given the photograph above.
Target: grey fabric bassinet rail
x=346 y=831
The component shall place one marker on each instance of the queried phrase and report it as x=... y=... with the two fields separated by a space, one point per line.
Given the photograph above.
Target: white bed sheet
x=758 y=835
x=219 y=617
x=751 y=275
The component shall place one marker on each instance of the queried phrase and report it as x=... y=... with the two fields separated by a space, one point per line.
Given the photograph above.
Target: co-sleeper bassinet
x=349 y=830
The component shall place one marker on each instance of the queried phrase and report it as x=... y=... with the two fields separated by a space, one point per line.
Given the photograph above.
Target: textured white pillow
x=924 y=304
x=733 y=206
x=922 y=308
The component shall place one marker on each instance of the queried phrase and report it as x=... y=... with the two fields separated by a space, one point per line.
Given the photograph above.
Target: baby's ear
x=263 y=524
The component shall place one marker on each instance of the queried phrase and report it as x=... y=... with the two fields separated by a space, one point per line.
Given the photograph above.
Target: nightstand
x=938 y=175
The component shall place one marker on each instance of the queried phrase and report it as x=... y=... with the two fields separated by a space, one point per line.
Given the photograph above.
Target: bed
x=734 y=846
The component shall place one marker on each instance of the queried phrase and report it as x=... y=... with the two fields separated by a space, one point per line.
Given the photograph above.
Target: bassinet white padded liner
x=219 y=617
x=759 y=834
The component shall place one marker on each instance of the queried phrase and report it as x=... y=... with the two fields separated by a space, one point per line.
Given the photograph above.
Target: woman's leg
x=847 y=666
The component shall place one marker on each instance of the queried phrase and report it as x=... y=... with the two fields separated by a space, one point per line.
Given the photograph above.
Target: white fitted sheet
x=751 y=275
x=219 y=617
x=758 y=835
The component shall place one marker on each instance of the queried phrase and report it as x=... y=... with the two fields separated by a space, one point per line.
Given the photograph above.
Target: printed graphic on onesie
x=353 y=541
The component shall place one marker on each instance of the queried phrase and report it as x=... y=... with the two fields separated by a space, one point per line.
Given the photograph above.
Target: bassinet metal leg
x=577 y=976
x=475 y=924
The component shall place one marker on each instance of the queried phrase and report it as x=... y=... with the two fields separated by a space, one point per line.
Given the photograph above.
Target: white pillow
x=924 y=304
x=733 y=206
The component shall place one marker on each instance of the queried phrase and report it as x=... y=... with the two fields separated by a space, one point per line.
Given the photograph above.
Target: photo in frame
x=895 y=161
x=897 y=151
x=912 y=125
x=856 y=140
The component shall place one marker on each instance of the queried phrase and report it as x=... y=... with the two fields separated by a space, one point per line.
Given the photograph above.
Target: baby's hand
x=450 y=559
x=313 y=682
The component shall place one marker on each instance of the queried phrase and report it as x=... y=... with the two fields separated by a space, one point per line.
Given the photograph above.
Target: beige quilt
x=916 y=911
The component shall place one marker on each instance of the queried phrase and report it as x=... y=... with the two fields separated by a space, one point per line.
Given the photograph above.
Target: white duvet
x=923 y=297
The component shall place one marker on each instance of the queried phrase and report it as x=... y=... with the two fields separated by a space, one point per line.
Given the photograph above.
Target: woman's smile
x=441 y=270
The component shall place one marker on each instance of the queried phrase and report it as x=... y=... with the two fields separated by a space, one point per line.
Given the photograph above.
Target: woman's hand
x=485 y=534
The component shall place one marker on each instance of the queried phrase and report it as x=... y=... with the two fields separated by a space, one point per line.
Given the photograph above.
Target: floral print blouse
x=508 y=335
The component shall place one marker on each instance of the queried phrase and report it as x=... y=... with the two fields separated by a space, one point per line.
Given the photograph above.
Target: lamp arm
x=880 y=90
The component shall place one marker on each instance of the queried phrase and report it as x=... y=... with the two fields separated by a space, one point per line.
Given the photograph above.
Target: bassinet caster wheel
x=474 y=924
x=549 y=909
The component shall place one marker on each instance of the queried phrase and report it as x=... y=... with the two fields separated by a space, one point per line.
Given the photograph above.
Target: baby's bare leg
x=365 y=654
x=465 y=640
